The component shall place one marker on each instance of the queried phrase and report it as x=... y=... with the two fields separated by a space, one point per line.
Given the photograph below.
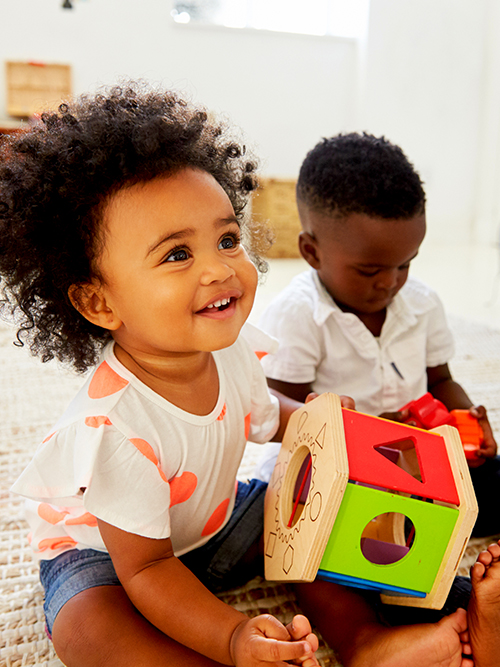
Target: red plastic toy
x=427 y=412
x=471 y=433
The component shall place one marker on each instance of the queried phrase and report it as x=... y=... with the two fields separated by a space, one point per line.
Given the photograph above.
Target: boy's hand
x=400 y=416
x=488 y=448
x=263 y=641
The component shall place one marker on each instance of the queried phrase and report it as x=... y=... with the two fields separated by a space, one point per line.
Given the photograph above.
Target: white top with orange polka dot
x=126 y=455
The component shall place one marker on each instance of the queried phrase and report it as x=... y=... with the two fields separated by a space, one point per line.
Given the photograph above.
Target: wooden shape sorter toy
x=367 y=502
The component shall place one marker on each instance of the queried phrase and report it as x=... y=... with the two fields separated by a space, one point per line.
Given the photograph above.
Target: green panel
x=433 y=528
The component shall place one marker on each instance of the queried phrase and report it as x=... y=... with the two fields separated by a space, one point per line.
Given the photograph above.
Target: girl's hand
x=488 y=448
x=345 y=401
x=300 y=628
x=263 y=641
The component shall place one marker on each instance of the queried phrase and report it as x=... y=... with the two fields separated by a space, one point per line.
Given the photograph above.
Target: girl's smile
x=222 y=307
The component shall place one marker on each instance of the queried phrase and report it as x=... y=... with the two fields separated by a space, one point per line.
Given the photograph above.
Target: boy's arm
x=443 y=387
x=169 y=595
x=298 y=392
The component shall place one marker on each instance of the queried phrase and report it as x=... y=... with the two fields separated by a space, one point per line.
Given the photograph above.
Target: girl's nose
x=216 y=269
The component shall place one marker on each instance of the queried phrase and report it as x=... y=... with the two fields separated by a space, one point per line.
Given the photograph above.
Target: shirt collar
x=399 y=310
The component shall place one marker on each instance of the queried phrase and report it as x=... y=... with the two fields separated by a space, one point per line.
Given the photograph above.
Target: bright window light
x=343 y=18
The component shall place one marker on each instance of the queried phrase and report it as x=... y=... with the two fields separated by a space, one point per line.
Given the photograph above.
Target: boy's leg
x=484 y=608
x=486 y=482
x=100 y=627
x=349 y=623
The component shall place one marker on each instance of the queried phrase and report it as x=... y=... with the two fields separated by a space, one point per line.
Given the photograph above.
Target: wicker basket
x=274 y=202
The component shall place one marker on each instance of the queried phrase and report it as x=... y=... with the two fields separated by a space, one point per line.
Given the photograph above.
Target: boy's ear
x=89 y=301
x=308 y=247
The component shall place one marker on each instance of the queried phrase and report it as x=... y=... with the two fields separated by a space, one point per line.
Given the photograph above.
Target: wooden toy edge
x=468 y=511
x=335 y=494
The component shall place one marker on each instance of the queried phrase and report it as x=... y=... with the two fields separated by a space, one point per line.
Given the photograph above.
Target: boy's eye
x=229 y=241
x=368 y=274
x=177 y=255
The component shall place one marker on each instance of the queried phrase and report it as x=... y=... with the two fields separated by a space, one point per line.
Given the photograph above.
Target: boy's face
x=176 y=278
x=362 y=261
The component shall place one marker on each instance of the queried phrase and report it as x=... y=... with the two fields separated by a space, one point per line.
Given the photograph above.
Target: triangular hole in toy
x=403 y=454
x=387 y=538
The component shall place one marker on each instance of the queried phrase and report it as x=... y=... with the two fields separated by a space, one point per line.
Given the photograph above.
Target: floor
x=466 y=277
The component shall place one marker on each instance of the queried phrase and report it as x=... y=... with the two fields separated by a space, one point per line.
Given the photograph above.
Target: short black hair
x=360 y=173
x=56 y=179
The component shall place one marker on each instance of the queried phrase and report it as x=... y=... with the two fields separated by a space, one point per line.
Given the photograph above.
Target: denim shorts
x=219 y=564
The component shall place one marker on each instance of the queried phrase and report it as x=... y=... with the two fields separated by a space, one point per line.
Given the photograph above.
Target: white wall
x=426 y=88
x=426 y=78
x=283 y=90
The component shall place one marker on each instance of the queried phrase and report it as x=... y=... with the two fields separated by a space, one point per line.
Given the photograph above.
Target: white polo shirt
x=333 y=350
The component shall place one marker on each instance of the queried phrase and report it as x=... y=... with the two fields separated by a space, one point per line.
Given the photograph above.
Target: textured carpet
x=32 y=397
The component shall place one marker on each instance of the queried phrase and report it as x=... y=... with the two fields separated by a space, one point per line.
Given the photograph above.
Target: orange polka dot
x=29 y=537
x=49 y=514
x=217 y=518
x=260 y=354
x=222 y=413
x=96 y=421
x=86 y=519
x=63 y=542
x=105 y=382
x=48 y=437
x=182 y=488
x=147 y=451
x=248 y=420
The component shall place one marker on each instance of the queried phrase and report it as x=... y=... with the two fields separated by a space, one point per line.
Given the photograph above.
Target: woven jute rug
x=32 y=397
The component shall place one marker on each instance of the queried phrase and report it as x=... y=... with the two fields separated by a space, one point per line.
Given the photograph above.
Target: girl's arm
x=167 y=593
x=289 y=405
x=443 y=387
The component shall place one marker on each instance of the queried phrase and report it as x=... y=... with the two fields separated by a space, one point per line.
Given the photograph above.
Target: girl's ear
x=89 y=301
x=308 y=247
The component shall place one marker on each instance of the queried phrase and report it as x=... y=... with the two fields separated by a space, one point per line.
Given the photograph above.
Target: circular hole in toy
x=296 y=486
x=387 y=538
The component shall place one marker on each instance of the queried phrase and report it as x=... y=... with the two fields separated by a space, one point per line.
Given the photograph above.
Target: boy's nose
x=387 y=279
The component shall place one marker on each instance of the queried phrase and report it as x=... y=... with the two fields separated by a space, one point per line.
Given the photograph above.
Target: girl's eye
x=229 y=241
x=177 y=255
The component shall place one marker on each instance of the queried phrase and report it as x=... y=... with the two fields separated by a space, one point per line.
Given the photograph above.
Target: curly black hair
x=55 y=181
x=360 y=173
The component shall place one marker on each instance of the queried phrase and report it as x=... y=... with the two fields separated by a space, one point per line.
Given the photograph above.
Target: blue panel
x=356 y=582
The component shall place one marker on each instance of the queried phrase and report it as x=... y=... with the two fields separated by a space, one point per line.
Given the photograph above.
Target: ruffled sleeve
x=263 y=420
x=118 y=479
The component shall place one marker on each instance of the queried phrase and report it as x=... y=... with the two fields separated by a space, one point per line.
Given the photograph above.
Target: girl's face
x=176 y=278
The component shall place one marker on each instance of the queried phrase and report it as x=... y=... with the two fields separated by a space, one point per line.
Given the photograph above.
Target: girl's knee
x=86 y=627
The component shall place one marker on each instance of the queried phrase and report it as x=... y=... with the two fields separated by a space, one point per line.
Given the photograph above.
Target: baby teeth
x=217 y=304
